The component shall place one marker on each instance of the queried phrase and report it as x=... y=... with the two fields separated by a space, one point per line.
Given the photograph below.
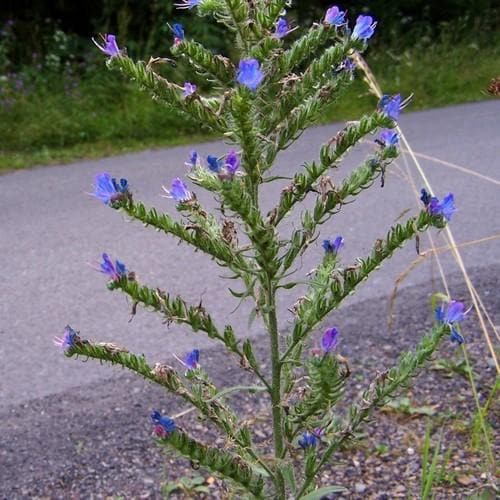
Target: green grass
x=105 y=116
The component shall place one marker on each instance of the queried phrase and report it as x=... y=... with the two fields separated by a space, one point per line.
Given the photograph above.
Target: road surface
x=50 y=230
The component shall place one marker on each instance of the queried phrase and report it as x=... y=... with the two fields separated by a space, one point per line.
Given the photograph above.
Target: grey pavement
x=51 y=232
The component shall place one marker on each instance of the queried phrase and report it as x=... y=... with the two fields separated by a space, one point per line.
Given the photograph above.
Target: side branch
x=176 y=310
x=204 y=62
x=203 y=110
x=167 y=377
x=304 y=183
x=331 y=200
x=219 y=461
x=332 y=288
x=201 y=240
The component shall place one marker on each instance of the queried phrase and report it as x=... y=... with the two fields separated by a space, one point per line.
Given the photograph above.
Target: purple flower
x=332 y=247
x=308 y=440
x=249 y=73
x=68 y=340
x=213 y=163
x=364 y=28
x=330 y=339
x=193 y=160
x=115 y=271
x=451 y=315
x=189 y=89
x=108 y=189
x=391 y=106
x=334 y=16
x=388 y=138
x=179 y=191
x=110 y=47
x=187 y=4
x=281 y=29
x=445 y=208
x=232 y=162
x=178 y=31
x=347 y=65
x=163 y=425
x=192 y=359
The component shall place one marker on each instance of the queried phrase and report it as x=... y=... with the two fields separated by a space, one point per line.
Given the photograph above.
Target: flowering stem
x=277 y=410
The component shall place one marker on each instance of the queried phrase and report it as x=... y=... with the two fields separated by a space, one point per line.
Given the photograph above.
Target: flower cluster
x=445 y=208
x=388 y=138
x=335 y=17
x=225 y=168
x=330 y=339
x=391 y=106
x=333 y=247
x=179 y=191
x=178 y=32
x=249 y=74
x=114 y=270
x=192 y=360
x=308 y=440
x=108 y=189
x=163 y=425
x=68 y=340
x=110 y=47
x=189 y=89
x=452 y=315
x=282 y=29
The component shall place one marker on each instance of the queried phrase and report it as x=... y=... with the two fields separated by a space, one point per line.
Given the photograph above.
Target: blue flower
x=364 y=28
x=189 y=89
x=388 y=138
x=332 y=247
x=330 y=339
x=193 y=160
x=452 y=315
x=348 y=65
x=192 y=359
x=281 y=29
x=110 y=47
x=179 y=191
x=163 y=425
x=391 y=106
x=115 y=271
x=213 y=163
x=108 y=189
x=445 y=208
x=308 y=440
x=335 y=16
x=178 y=31
x=232 y=162
x=68 y=340
x=187 y=4
x=249 y=73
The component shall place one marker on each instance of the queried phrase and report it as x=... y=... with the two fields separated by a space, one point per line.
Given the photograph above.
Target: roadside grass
x=106 y=116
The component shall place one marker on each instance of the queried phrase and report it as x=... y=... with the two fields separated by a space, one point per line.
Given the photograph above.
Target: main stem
x=279 y=444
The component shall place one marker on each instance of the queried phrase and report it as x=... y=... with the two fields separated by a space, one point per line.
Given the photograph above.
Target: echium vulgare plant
x=261 y=102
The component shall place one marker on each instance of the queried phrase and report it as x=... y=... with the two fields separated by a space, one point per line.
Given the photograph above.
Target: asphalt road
x=50 y=231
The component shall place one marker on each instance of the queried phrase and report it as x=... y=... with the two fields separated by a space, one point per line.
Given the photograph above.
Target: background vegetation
x=58 y=102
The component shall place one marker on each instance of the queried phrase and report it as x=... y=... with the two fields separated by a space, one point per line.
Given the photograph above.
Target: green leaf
x=321 y=492
x=289 y=477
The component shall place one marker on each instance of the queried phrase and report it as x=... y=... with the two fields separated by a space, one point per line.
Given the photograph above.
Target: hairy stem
x=277 y=411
